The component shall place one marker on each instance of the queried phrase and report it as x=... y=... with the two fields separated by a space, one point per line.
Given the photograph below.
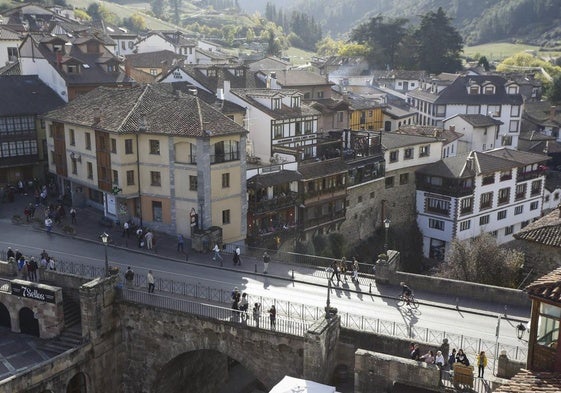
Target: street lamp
x=105 y=239
x=328 y=303
x=387 y=223
x=520 y=329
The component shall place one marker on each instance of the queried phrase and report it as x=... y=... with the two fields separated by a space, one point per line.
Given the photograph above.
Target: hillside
x=479 y=21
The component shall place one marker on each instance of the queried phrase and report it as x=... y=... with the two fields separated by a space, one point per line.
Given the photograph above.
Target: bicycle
x=403 y=300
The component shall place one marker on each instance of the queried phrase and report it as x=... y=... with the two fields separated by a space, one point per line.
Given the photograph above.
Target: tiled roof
x=215 y=55
x=530 y=381
x=543 y=113
x=407 y=74
x=121 y=110
x=446 y=135
x=394 y=140
x=154 y=59
x=397 y=112
x=8 y=34
x=450 y=167
x=293 y=78
x=269 y=63
x=272 y=179
x=519 y=157
x=315 y=170
x=285 y=112
x=478 y=120
x=33 y=96
x=545 y=231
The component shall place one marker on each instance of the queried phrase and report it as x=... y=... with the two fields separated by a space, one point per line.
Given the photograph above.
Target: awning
x=293 y=385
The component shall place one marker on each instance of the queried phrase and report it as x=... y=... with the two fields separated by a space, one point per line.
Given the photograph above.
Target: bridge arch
x=78 y=383
x=27 y=322
x=5 y=318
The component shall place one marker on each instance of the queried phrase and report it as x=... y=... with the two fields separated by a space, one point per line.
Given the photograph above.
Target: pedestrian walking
x=334 y=270
x=266 y=260
x=217 y=255
x=180 y=242
x=257 y=313
x=129 y=277
x=140 y=237
x=148 y=238
x=151 y=282
x=273 y=317
x=126 y=228
x=237 y=259
x=73 y=215
x=355 y=270
x=49 y=224
x=481 y=364
x=243 y=306
x=236 y=297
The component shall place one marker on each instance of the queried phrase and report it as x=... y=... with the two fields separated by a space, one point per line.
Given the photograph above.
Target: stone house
x=149 y=154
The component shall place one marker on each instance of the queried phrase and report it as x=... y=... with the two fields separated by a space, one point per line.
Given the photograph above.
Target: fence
x=296 y=311
x=281 y=324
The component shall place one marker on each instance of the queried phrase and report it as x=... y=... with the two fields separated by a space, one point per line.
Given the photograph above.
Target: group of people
x=454 y=357
x=28 y=266
x=144 y=237
x=343 y=268
x=240 y=307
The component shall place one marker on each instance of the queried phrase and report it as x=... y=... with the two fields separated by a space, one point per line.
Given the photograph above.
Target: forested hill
x=479 y=21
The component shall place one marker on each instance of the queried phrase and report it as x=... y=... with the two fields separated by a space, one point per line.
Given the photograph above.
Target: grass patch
x=497 y=51
x=298 y=56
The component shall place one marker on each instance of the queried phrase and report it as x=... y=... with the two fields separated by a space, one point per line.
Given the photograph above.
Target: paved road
x=475 y=319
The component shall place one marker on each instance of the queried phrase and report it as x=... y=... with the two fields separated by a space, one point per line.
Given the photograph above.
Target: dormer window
x=276 y=103
x=512 y=89
x=295 y=102
x=239 y=72
x=92 y=47
x=489 y=89
x=111 y=68
x=474 y=89
x=72 y=68
x=211 y=72
x=177 y=74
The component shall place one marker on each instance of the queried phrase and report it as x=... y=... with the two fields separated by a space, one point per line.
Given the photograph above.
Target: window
x=440 y=110
x=115 y=177
x=193 y=183
x=474 y=89
x=465 y=225
x=515 y=110
x=225 y=217
x=153 y=71
x=340 y=115
x=157 y=211
x=394 y=155
x=507 y=140
x=534 y=205
x=74 y=166
x=389 y=182
x=436 y=224
x=424 y=151
x=501 y=215
x=154 y=146
x=72 y=137
x=505 y=175
x=513 y=126
x=52 y=157
x=504 y=195
x=128 y=146
x=408 y=154
x=518 y=210
x=436 y=205
x=536 y=187
x=372 y=194
x=494 y=110
x=89 y=167
x=556 y=196
x=509 y=229
x=113 y=145
x=88 y=141
x=484 y=220
x=130 y=178
x=225 y=180
x=548 y=325
x=12 y=53
x=277 y=131
x=466 y=206
x=489 y=179
x=295 y=102
x=473 y=110
x=359 y=200
x=489 y=89
x=276 y=103
x=520 y=191
x=155 y=179
x=513 y=89
x=486 y=200
x=404 y=178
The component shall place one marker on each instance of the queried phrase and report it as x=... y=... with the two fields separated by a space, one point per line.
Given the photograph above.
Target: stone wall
x=49 y=315
x=8 y=269
x=320 y=349
x=376 y=372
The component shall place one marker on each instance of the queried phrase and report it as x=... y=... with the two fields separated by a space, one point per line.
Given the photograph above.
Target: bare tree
x=481 y=260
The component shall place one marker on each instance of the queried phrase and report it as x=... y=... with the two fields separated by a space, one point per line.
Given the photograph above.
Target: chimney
x=165 y=67
x=142 y=125
x=97 y=115
x=59 y=58
x=452 y=128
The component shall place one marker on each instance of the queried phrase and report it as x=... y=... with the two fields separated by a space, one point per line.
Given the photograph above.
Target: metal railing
x=262 y=321
x=303 y=312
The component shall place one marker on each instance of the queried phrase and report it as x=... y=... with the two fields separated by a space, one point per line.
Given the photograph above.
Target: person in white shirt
x=217 y=255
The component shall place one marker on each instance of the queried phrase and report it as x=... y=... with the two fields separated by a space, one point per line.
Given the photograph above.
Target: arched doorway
x=27 y=322
x=77 y=384
x=5 y=317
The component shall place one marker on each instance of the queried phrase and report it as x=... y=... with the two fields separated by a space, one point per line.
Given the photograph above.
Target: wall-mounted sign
x=40 y=294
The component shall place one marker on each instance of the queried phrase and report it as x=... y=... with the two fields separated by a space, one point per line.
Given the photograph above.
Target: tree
x=176 y=9
x=274 y=47
x=481 y=260
x=439 y=44
x=555 y=91
x=135 y=23
x=158 y=8
x=382 y=39
x=82 y=15
x=484 y=63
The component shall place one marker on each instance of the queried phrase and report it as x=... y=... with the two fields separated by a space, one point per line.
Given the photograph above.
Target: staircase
x=71 y=336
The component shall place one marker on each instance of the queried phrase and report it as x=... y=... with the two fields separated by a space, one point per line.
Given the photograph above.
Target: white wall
x=46 y=73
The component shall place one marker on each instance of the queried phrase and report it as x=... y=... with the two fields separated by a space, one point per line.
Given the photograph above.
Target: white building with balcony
x=498 y=191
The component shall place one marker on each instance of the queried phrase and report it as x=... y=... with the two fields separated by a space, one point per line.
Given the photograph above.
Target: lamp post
x=387 y=223
x=520 y=329
x=328 y=303
x=105 y=239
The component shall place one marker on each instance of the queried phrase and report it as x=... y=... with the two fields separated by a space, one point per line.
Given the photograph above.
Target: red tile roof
x=527 y=381
x=547 y=287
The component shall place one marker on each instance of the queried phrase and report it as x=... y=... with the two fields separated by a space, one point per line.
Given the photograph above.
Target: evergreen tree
x=439 y=44
x=158 y=8
x=555 y=91
x=176 y=9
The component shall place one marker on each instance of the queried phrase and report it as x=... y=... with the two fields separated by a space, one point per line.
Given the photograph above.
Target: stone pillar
x=386 y=265
x=97 y=299
x=507 y=368
x=319 y=349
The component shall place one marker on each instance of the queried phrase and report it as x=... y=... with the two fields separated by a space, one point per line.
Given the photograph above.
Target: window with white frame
x=473 y=109
x=518 y=210
x=513 y=126
x=465 y=225
x=501 y=215
x=484 y=220
x=494 y=110
x=489 y=89
x=515 y=110
x=534 y=205
x=436 y=224
x=424 y=151
x=509 y=229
